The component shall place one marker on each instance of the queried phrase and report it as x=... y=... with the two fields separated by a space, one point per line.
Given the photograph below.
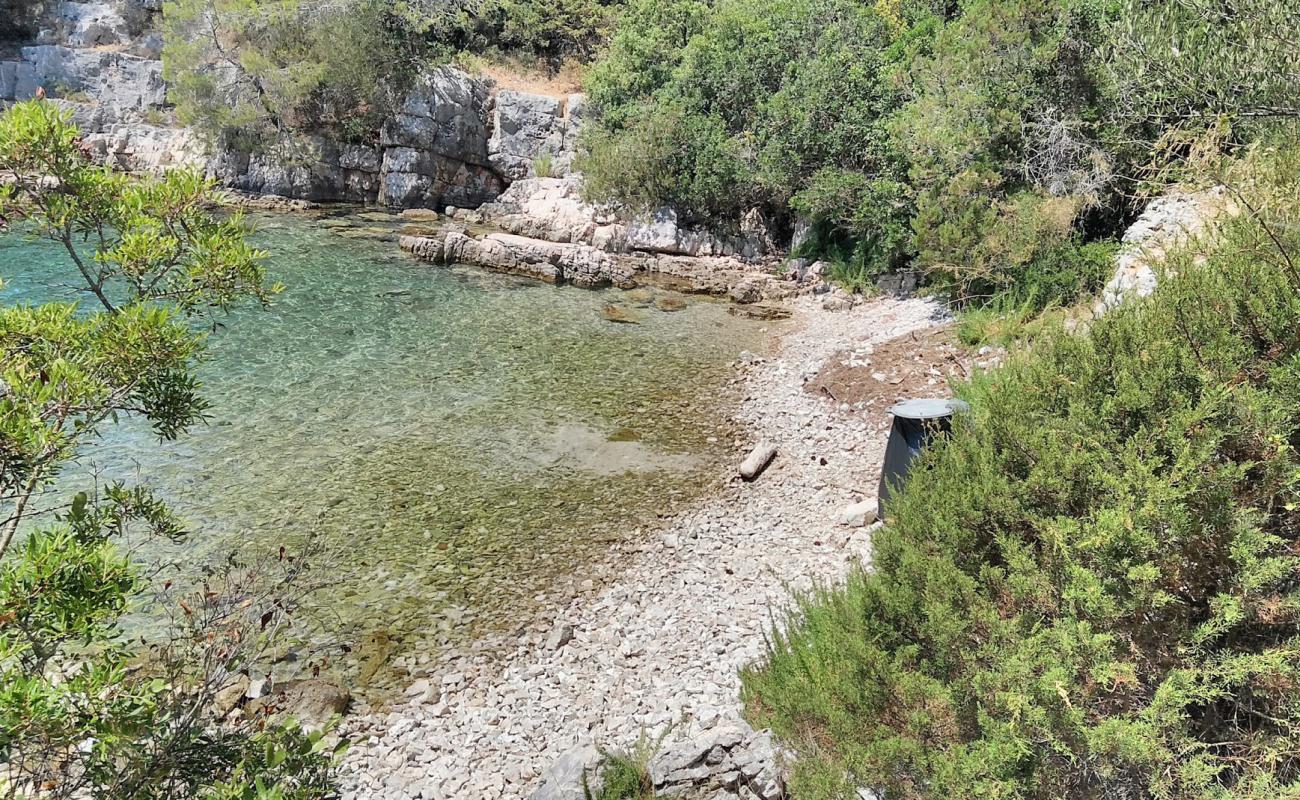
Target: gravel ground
x=662 y=644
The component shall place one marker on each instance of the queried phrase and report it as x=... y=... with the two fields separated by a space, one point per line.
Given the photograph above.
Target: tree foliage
x=83 y=710
x=719 y=108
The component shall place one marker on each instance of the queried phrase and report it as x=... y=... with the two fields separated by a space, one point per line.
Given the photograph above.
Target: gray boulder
x=435 y=149
x=525 y=128
x=563 y=781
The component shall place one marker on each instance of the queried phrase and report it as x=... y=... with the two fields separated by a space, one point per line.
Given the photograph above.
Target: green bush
x=718 y=108
x=1090 y=590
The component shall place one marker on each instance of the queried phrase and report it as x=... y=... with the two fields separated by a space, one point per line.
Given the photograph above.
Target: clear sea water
x=457 y=441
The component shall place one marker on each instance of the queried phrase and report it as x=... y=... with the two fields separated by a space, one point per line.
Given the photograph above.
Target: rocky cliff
x=454 y=141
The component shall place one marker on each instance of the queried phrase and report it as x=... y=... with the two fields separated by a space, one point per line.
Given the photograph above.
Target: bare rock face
x=121 y=87
x=1167 y=222
x=532 y=131
x=435 y=148
x=525 y=128
x=92 y=24
x=146 y=148
x=310 y=168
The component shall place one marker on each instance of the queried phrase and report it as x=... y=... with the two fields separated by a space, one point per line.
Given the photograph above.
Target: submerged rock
x=669 y=303
x=616 y=313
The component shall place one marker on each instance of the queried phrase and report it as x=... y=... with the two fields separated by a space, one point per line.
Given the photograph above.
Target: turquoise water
x=456 y=441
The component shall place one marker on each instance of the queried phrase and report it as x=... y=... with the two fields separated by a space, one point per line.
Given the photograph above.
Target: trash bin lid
x=929 y=408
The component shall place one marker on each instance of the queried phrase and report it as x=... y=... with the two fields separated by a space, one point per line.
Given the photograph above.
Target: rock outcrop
x=435 y=148
x=531 y=131
x=591 y=267
x=141 y=147
x=553 y=209
x=1165 y=223
x=309 y=168
x=120 y=87
x=92 y=24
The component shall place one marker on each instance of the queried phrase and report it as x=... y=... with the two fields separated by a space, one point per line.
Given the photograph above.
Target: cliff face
x=454 y=141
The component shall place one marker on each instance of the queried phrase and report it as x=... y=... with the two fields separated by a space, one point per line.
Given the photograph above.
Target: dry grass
x=526 y=76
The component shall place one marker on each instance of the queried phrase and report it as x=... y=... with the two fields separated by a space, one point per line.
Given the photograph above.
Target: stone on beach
x=757 y=460
x=859 y=515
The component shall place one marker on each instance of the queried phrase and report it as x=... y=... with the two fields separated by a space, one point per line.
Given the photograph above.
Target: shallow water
x=454 y=439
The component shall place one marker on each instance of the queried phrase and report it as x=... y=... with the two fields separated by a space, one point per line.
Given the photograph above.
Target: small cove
x=457 y=442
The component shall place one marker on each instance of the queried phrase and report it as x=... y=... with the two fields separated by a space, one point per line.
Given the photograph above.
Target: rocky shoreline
x=656 y=652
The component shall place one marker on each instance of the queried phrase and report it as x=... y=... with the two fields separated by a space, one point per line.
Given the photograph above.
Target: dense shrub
x=1090 y=590
x=552 y=30
x=716 y=109
x=971 y=138
x=258 y=68
x=1003 y=140
x=268 y=67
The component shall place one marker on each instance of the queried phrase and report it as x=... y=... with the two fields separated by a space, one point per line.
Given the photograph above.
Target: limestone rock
x=140 y=147
x=560 y=635
x=1166 y=222
x=749 y=290
x=122 y=86
x=757 y=460
x=307 y=167
x=547 y=208
x=435 y=147
x=525 y=127
x=859 y=515
x=564 y=779
x=730 y=759
x=92 y=24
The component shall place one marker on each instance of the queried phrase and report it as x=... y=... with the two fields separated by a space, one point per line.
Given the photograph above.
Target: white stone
x=858 y=515
x=757 y=460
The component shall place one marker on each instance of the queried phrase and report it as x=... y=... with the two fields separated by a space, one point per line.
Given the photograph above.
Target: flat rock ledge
x=588 y=266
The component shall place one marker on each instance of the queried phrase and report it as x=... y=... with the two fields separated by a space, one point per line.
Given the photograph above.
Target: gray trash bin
x=916 y=424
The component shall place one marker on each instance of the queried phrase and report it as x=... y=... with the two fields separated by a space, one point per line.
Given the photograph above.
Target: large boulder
x=526 y=128
x=661 y=232
x=548 y=208
x=435 y=149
